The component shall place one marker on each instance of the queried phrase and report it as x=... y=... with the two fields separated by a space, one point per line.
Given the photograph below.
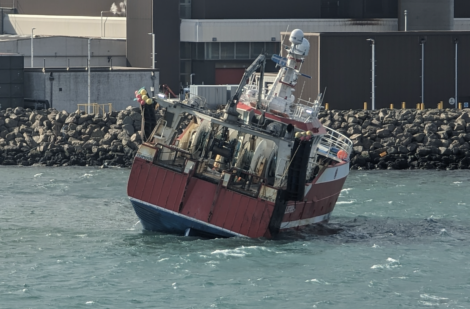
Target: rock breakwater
x=383 y=139
x=405 y=139
x=56 y=138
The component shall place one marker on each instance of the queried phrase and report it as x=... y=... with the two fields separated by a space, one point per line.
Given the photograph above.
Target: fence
x=96 y=108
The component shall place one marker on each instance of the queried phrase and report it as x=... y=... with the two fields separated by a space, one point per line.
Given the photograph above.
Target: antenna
x=302 y=91
x=322 y=97
x=282 y=41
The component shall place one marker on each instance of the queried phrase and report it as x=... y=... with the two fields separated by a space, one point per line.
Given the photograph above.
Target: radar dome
x=302 y=49
x=296 y=36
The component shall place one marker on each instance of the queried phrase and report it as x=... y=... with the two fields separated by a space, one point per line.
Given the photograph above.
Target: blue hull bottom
x=158 y=219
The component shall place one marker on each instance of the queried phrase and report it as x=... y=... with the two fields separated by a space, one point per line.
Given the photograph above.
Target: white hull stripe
x=187 y=218
x=302 y=222
x=334 y=173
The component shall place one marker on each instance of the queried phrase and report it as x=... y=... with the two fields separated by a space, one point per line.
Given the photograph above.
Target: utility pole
x=372 y=41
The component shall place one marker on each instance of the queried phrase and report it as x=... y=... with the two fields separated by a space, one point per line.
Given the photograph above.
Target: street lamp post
x=89 y=75
x=456 y=41
x=406 y=20
x=372 y=44
x=191 y=78
x=153 y=50
x=101 y=24
x=32 y=47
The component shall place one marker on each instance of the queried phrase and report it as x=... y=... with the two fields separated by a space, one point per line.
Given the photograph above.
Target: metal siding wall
x=65 y=7
x=79 y=26
x=214 y=95
x=205 y=72
x=398 y=71
x=11 y=81
x=461 y=8
x=345 y=70
x=426 y=14
x=166 y=26
x=228 y=76
x=464 y=67
x=250 y=30
x=439 y=69
x=258 y=9
x=139 y=24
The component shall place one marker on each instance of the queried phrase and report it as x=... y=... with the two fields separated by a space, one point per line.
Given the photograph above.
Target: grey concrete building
x=65 y=89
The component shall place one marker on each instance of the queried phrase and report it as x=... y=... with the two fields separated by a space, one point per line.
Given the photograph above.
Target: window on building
x=227 y=50
x=212 y=51
x=256 y=49
x=272 y=48
x=198 y=51
x=185 y=71
x=185 y=9
x=185 y=50
x=242 y=50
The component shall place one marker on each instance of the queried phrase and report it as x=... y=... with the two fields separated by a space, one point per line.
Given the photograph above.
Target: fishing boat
x=261 y=165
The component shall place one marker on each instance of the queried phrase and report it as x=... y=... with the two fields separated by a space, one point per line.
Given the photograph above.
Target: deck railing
x=333 y=142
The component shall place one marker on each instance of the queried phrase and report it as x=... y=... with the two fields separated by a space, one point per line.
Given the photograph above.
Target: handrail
x=334 y=141
x=96 y=108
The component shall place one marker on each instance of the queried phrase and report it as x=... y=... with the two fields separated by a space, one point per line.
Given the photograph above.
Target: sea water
x=69 y=238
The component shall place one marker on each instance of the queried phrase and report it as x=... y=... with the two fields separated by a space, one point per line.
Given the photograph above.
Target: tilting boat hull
x=158 y=219
x=187 y=214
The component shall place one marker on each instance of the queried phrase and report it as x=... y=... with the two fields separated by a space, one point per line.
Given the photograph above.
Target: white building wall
x=251 y=30
x=461 y=24
x=71 y=88
x=264 y=30
x=109 y=27
x=59 y=51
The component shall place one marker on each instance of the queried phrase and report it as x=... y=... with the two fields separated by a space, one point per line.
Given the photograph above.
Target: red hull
x=218 y=206
x=196 y=198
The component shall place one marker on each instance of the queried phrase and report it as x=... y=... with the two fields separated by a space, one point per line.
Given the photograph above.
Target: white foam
x=346 y=202
x=391 y=263
x=37 y=175
x=240 y=252
x=231 y=252
x=436 y=299
x=90 y=302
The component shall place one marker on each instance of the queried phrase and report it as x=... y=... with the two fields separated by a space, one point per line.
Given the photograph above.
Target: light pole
x=89 y=81
x=406 y=20
x=372 y=44
x=32 y=47
x=191 y=78
x=153 y=50
x=101 y=24
x=456 y=41
x=423 y=41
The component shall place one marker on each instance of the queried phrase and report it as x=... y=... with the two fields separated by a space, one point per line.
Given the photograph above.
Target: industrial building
x=212 y=41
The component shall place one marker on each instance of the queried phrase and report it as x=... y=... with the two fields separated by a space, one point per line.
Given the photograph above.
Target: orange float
x=342 y=154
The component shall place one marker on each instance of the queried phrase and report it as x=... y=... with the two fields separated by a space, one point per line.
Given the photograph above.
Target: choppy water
x=70 y=239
